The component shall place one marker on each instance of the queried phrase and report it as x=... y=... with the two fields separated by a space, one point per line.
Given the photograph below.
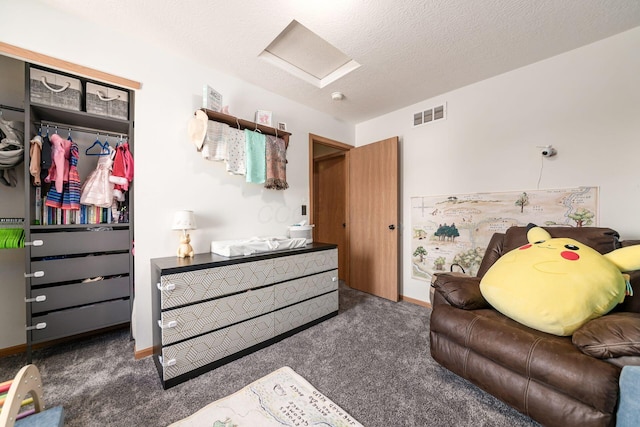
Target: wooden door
x=374 y=217
x=330 y=194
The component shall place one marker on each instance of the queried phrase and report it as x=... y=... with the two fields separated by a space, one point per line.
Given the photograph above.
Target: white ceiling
x=409 y=50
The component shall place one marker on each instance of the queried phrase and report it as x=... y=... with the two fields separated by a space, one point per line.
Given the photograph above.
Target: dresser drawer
x=186 y=322
x=76 y=294
x=297 y=290
x=80 y=242
x=292 y=266
x=297 y=315
x=193 y=286
x=80 y=268
x=82 y=319
x=188 y=355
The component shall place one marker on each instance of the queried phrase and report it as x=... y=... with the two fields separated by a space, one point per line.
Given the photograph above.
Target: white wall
x=169 y=174
x=586 y=103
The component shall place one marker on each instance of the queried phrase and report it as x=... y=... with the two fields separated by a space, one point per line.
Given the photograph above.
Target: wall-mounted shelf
x=246 y=124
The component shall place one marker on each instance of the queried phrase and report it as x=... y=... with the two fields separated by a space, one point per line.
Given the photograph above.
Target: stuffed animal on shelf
x=556 y=285
x=185 y=249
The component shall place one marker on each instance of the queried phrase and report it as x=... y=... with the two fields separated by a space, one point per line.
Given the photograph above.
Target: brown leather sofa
x=557 y=381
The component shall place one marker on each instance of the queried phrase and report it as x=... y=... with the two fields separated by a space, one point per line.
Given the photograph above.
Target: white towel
x=215 y=142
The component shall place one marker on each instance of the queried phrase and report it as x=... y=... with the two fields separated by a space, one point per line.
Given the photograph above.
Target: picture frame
x=263 y=117
x=282 y=126
x=211 y=98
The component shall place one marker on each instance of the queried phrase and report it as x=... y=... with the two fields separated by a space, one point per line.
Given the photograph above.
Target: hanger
x=237 y=123
x=69 y=136
x=104 y=148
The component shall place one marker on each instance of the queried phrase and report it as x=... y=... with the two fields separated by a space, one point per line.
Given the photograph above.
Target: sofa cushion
x=614 y=335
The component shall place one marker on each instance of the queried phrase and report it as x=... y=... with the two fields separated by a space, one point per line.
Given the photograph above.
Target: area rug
x=282 y=398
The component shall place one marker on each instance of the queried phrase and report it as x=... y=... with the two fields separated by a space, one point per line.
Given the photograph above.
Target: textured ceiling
x=409 y=51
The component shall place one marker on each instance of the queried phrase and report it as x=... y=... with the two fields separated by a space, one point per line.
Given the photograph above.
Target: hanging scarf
x=256 y=156
x=276 y=153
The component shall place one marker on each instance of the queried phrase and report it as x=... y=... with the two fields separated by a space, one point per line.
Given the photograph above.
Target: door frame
x=344 y=148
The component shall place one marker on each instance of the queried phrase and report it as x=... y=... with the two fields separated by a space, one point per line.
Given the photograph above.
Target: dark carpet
x=372 y=360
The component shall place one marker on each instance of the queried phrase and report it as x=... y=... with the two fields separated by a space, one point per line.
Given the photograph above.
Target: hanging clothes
x=122 y=171
x=215 y=142
x=236 y=158
x=45 y=157
x=97 y=189
x=59 y=170
x=71 y=195
x=11 y=150
x=276 y=155
x=35 y=151
x=256 y=156
x=65 y=191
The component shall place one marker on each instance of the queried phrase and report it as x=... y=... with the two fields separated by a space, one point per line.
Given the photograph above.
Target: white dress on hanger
x=97 y=190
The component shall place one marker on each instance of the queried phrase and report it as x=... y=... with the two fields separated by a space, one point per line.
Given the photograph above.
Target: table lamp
x=184 y=220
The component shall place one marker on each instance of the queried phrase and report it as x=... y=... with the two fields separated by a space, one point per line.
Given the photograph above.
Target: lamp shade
x=184 y=220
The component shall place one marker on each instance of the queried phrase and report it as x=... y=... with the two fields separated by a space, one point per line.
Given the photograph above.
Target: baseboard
x=415 y=301
x=22 y=348
x=141 y=354
x=10 y=351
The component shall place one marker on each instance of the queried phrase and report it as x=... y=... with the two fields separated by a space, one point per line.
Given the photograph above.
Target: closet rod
x=10 y=108
x=63 y=127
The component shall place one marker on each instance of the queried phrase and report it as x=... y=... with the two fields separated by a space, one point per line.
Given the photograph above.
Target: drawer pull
x=34 y=274
x=170 y=362
x=34 y=243
x=334 y=279
x=170 y=324
x=39 y=298
x=167 y=287
x=40 y=325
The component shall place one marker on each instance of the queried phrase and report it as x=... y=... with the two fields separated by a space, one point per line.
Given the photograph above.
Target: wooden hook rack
x=246 y=124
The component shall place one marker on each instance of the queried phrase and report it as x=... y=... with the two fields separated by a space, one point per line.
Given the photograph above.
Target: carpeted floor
x=372 y=360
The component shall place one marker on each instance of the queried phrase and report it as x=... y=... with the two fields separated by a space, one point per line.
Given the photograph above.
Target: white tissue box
x=301 y=231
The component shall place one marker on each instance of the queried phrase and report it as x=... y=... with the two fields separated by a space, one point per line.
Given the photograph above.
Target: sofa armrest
x=609 y=336
x=459 y=291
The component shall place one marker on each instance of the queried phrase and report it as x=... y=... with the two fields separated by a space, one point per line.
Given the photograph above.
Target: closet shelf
x=53 y=115
x=246 y=124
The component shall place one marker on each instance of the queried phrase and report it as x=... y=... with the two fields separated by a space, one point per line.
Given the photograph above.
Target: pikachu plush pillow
x=556 y=285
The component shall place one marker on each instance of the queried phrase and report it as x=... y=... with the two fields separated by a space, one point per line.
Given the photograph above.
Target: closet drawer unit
x=82 y=319
x=106 y=101
x=80 y=242
x=297 y=290
x=58 y=297
x=79 y=268
x=293 y=266
x=186 y=322
x=297 y=315
x=189 y=355
x=193 y=286
x=54 y=89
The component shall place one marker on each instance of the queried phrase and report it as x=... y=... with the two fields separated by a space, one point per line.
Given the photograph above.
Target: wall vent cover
x=430 y=115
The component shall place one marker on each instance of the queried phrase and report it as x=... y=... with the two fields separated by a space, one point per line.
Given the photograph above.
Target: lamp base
x=184 y=249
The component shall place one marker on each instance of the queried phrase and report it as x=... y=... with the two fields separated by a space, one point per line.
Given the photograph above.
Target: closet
x=79 y=264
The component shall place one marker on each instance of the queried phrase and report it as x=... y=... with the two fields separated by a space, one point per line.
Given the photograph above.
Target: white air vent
x=430 y=115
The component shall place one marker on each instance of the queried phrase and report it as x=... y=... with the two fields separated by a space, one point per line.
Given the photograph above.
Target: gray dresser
x=210 y=310
x=64 y=304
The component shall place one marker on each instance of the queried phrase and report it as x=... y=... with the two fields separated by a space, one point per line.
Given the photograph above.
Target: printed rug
x=282 y=398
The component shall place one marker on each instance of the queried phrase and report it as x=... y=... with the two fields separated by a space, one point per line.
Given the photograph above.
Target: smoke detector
x=337 y=96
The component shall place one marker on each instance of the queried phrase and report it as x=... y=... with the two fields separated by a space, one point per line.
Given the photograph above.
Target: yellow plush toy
x=556 y=285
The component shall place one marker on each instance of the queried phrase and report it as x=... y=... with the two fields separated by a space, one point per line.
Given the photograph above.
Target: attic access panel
x=304 y=54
